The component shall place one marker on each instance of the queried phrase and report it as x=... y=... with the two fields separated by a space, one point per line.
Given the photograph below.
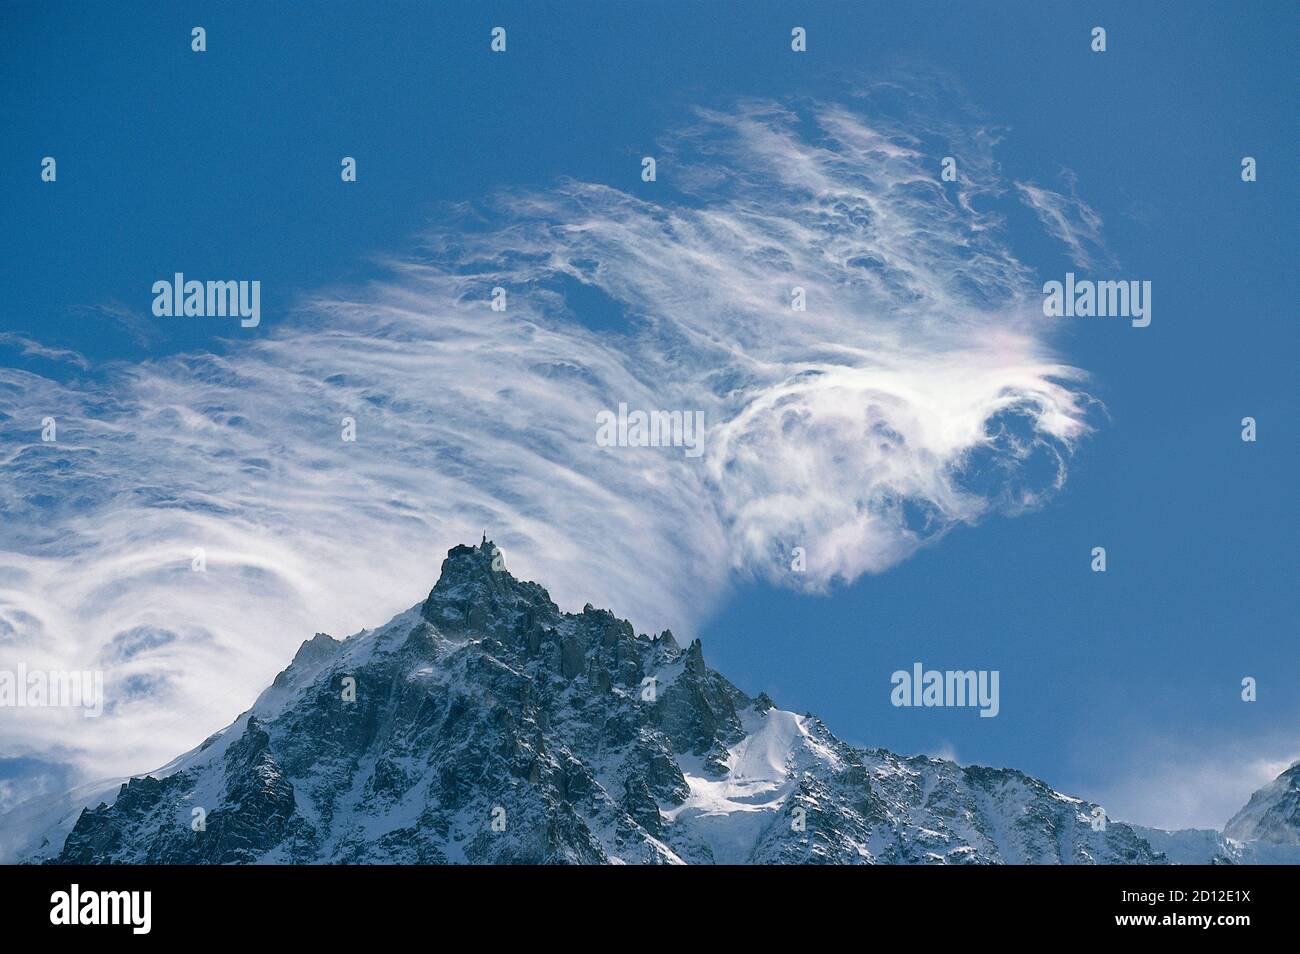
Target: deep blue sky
x=227 y=164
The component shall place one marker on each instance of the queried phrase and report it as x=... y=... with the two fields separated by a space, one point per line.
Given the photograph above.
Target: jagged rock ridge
x=486 y=726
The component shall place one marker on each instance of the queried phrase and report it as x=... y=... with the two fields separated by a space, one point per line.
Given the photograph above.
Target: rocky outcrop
x=487 y=726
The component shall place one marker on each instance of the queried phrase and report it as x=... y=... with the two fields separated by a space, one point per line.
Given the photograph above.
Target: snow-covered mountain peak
x=486 y=725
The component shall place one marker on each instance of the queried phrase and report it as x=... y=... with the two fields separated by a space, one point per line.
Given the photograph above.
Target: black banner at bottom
x=335 y=904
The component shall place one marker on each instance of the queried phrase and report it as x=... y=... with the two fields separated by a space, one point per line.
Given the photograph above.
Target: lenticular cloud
x=914 y=393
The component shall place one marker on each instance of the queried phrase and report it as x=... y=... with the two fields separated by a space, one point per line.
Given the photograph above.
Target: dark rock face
x=486 y=726
x=153 y=817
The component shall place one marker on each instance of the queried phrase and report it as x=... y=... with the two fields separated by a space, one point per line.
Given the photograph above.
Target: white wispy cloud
x=1171 y=783
x=31 y=348
x=1069 y=219
x=916 y=393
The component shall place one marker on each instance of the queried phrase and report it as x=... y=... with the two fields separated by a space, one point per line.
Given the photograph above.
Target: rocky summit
x=486 y=726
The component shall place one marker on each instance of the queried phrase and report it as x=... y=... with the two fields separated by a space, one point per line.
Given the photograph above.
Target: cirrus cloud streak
x=917 y=392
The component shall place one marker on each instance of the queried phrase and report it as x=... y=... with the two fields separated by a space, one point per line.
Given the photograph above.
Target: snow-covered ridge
x=484 y=725
x=1273 y=813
